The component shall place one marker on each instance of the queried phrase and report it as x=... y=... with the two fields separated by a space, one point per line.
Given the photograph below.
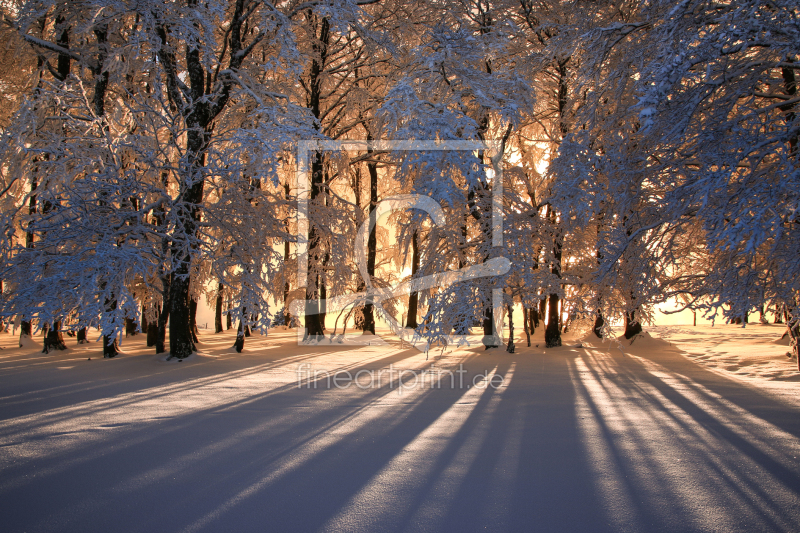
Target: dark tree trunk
x=243 y=328
x=239 y=342
x=632 y=326
x=152 y=332
x=189 y=89
x=552 y=334
x=314 y=321
x=228 y=320
x=510 y=347
x=489 y=337
x=82 y=336
x=694 y=317
x=110 y=346
x=372 y=168
x=181 y=342
x=53 y=338
x=64 y=60
x=161 y=334
x=25 y=326
x=287 y=317
x=323 y=305
x=193 y=320
x=533 y=319
x=599 y=322
x=413 y=298
x=218 y=310
x=130 y=327
x=25 y=329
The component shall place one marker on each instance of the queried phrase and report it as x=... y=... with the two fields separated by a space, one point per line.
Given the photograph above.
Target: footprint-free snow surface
x=602 y=437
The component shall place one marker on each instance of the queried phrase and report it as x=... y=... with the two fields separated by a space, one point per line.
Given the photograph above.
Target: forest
x=643 y=152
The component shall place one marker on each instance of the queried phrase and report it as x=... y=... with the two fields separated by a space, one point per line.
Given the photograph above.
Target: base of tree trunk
x=490 y=339
x=161 y=333
x=632 y=327
x=239 y=343
x=369 y=319
x=552 y=337
x=82 y=336
x=599 y=322
x=241 y=333
x=130 y=327
x=54 y=339
x=218 y=309
x=110 y=347
x=152 y=334
x=552 y=333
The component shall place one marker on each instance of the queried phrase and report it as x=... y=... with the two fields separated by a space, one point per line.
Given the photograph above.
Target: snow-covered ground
x=756 y=351
x=690 y=429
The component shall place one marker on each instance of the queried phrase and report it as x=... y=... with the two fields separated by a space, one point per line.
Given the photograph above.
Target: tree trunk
x=152 y=332
x=314 y=323
x=552 y=334
x=599 y=322
x=489 y=337
x=24 y=330
x=181 y=342
x=228 y=320
x=323 y=295
x=193 y=320
x=533 y=319
x=287 y=318
x=161 y=334
x=413 y=298
x=82 y=336
x=525 y=320
x=110 y=346
x=130 y=327
x=53 y=338
x=372 y=243
x=632 y=326
x=239 y=342
x=218 y=310
x=510 y=348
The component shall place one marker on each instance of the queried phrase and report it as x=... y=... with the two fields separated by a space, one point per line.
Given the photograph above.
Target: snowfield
x=687 y=429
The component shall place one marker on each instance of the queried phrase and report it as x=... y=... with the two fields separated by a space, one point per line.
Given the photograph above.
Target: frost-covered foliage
x=689 y=149
x=649 y=150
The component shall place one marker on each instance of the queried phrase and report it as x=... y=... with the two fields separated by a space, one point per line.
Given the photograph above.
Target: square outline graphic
x=304 y=148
